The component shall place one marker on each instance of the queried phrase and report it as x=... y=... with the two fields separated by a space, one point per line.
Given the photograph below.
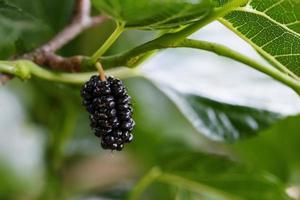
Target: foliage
x=157 y=14
x=267 y=25
x=187 y=145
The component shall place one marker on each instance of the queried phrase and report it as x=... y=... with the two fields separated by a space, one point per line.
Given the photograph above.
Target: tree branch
x=45 y=54
x=56 y=62
x=25 y=69
x=81 y=20
x=131 y=56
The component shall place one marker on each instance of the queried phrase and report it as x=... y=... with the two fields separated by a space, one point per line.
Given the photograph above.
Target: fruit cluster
x=110 y=111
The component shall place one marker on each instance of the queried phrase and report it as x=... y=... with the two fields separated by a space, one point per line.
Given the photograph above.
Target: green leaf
x=272 y=27
x=24 y=25
x=14 y=25
x=154 y=14
x=275 y=150
x=12 y=184
x=14 y=20
x=222 y=121
x=149 y=103
x=219 y=177
x=55 y=13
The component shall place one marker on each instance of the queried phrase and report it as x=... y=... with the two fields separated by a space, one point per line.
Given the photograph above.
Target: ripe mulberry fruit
x=110 y=111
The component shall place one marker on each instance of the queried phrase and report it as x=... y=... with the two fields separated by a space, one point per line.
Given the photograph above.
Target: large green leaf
x=14 y=21
x=217 y=177
x=275 y=150
x=157 y=121
x=24 y=25
x=15 y=25
x=55 y=13
x=219 y=120
x=155 y=14
x=12 y=184
x=272 y=27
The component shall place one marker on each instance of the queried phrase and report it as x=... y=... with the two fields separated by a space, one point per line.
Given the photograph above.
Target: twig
x=96 y=20
x=45 y=54
x=81 y=20
x=101 y=71
x=129 y=57
x=56 y=62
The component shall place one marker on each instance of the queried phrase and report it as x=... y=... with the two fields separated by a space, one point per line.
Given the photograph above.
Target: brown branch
x=56 y=62
x=45 y=54
x=81 y=20
x=96 y=20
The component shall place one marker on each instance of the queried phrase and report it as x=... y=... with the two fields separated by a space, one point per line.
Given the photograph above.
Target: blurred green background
x=48 y=150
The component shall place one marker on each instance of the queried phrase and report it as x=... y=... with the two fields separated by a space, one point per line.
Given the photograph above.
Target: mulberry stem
x=101 y=71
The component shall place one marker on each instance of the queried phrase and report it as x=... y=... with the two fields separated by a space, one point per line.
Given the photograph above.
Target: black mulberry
x=110 y=111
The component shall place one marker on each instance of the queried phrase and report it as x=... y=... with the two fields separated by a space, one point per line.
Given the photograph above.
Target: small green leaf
x=275 y=150
x=24 y=25
x=222 y=121
x=272 y=27
x=155 y=14
x=16 y=26
x=12 y=184
x=217 y=176
x=55 y=13
x=13 y=22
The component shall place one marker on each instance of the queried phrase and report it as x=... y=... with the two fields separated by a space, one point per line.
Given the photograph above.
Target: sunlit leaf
x=275 y=150
x=55 y=13
x=219 y=120
x=26 y=24
x=272 y=27
x=154 y=14
x=15 y=25
x=218 y=177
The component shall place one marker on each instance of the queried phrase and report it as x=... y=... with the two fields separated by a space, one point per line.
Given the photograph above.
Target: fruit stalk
x=101 y=71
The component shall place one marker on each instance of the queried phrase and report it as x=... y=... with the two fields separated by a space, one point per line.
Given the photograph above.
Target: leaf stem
x=133 y=54
x=155 y=174
x=24 y=69
x=113 y=37
x=194 y=186
x=265 y=55
x=130 y=58
x=144 y=183
x=62 y=138
x=17 y=69
x=229 y=53
x=57 y=143
x=100 y=71
x=215 y=14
